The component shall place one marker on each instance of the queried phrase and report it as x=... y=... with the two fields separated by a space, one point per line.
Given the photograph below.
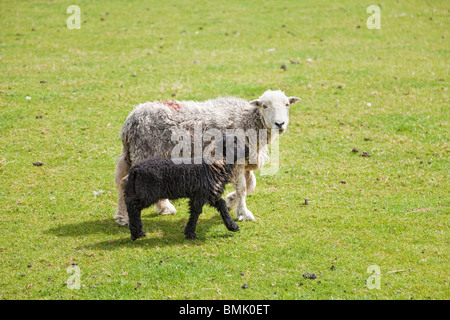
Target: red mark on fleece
x=173 y=105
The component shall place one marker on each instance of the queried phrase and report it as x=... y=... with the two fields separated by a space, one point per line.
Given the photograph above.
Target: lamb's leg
x=242 y=213
x=122 y=169
x=195 y=209
x=134 y=208
x=221 y=206
x=165 y=207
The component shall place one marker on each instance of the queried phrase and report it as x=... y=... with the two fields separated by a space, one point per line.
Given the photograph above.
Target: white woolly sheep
x=148 y=133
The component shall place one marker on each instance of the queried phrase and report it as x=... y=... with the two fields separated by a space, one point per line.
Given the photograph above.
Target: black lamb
x=158 y=178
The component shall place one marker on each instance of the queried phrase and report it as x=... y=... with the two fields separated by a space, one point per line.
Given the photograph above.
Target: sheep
x=148 y=129
x=161 y=178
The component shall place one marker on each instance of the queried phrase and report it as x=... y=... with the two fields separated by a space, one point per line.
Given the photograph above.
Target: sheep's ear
x=256 y=103
x=293 y=100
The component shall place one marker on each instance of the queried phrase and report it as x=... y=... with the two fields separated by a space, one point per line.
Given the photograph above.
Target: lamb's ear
x=293 y=100
x=256 y=103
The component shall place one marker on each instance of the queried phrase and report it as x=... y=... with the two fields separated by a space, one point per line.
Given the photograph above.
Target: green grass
x=393 y=210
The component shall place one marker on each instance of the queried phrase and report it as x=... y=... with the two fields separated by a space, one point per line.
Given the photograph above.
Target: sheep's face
x=275 y=109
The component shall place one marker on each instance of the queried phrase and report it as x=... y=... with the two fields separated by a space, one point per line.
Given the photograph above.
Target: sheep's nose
x=279 y=124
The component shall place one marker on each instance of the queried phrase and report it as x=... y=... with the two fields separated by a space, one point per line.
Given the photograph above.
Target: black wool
x=160 y=178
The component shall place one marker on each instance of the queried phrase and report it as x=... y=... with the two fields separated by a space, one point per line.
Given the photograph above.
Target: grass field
x=64 y=95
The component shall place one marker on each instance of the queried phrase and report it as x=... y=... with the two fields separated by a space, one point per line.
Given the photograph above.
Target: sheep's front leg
x=250 y=182
x=195 y=209
x=242 y=213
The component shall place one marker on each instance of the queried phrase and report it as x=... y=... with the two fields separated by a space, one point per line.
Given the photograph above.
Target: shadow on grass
x=160 y=232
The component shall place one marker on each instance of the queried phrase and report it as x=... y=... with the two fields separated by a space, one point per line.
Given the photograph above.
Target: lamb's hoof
x=191 y=236
x=244 y=215
x=121 y=219
x=234 y=228
x=137 y=235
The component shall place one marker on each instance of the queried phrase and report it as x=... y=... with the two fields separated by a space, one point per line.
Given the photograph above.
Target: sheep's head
x=274 y=107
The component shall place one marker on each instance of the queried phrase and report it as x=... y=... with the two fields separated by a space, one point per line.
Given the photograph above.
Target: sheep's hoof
x=137 y=235
x=168 y=208
x=244 y=215
x=121 y=219
x=167 y=211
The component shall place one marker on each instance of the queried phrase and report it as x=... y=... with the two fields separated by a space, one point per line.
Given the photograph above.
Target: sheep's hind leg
x=195 y=209
x=121 y=171
x=221 y=206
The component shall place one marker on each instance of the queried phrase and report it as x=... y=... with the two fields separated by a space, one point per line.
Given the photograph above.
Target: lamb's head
x=274 y=107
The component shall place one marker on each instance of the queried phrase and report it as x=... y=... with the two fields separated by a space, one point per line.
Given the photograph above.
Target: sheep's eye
x=265 y=106
x=287 y=104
